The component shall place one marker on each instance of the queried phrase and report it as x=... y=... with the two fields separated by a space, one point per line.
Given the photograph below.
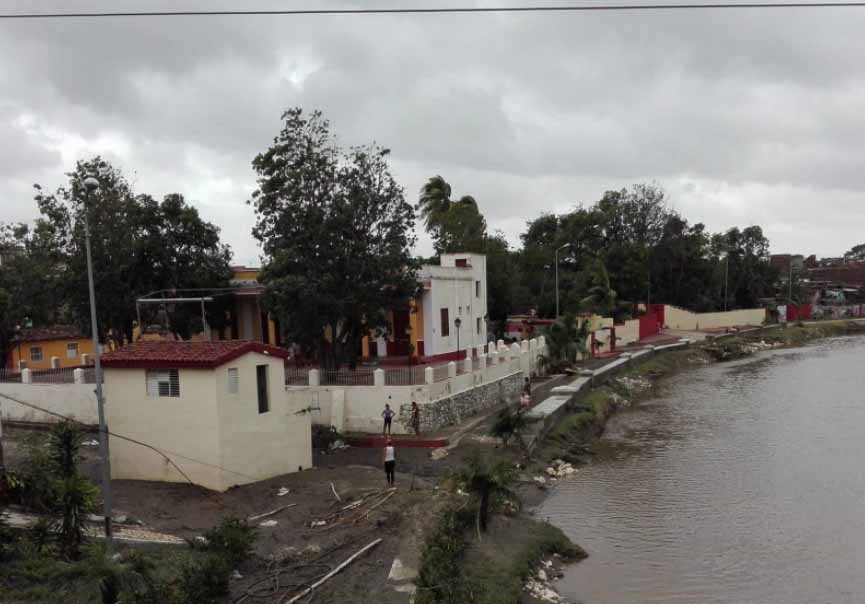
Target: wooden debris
x=335 y=494
x=334 y=572
x=266 y=514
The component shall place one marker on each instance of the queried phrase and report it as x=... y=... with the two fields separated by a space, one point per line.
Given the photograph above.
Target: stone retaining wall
x=454 y=409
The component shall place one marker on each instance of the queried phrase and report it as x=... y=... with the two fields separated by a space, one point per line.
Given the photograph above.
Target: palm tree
x=434 y=201
x=461 y=218
x=602 y=298
x=511 y=424
x=564 y=341
x=487 y=481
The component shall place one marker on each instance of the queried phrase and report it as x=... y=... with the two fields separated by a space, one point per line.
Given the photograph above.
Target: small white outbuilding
x=217 y=410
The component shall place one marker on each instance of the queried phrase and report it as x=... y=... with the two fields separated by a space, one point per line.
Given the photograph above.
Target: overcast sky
x=744 y=116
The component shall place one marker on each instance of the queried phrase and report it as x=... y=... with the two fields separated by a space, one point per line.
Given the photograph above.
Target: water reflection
x=740 y=482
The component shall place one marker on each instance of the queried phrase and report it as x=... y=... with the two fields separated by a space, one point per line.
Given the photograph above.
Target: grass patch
x=497 y=567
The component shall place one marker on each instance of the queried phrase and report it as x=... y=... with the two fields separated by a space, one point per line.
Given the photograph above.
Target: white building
x=454 y=293
x=217 y=410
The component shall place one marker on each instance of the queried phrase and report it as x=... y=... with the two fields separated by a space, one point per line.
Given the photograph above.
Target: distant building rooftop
x=186 y=355
x=56 y=332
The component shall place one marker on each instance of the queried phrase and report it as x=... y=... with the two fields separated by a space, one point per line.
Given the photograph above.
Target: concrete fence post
x=467 y=365
x=516 y=350
x=378 y=377
x=524 y=346
x=55 y=362
x=22 y=365
x=429 y=376
x=482 y=362
x=452 y=370
x=26 y=376
x=491 y=347
x=314 y=377
x=542 y=341
x=85 y=359
x=78 y=376
x=500 y=343
x=494 y=358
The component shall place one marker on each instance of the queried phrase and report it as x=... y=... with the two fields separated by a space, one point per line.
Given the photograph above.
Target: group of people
x=389 y=453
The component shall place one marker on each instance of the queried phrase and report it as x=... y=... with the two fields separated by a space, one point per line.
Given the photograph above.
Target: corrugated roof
x=188 y=355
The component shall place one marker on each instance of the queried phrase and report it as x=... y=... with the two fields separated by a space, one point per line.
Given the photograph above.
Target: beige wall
x=72 y=400
x=628 y=333
x=255 y=446
x=218 y=439
x=184 y=427
x=679 y=318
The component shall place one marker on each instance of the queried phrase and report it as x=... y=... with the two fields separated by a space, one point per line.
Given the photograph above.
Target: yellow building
x=37 y=346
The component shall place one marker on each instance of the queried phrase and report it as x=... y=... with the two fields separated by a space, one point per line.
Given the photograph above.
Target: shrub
x=204 y=581
x=441 y=579
x=232 y=540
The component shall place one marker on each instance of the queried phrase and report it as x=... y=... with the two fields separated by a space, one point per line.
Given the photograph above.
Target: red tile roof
x=56 y=332
x=186 y=355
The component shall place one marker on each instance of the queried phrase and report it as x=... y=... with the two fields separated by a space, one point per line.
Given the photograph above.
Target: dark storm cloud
x=745 y=116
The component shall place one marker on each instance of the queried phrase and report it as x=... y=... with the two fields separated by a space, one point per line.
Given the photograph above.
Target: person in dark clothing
x=387 y=414
x=389 y=458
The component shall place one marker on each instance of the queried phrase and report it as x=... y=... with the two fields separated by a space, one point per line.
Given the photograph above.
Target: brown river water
x=737 y=483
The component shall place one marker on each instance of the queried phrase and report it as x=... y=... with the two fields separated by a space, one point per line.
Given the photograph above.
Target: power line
x=162 y=452
x=427 y=11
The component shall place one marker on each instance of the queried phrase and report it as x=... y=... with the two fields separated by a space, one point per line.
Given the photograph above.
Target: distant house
x=446 y=319
x=37 y=346
x=217 y=410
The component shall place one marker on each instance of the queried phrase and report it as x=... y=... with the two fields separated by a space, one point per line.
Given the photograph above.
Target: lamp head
x=91 y=184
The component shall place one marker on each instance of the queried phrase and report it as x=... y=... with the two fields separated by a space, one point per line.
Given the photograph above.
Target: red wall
x=658 y=311
x=801 y=312
x=648 y=325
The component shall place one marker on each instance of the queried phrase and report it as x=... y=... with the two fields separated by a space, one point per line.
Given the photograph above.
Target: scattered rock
x=269 y=523
x=439 y=453
x=540 y=481
x=316 y=523
x=90 y=443
x=282 y=492
x=235 y=575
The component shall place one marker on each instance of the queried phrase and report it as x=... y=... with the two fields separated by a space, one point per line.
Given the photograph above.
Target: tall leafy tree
x=139 y=246
x=336 y=232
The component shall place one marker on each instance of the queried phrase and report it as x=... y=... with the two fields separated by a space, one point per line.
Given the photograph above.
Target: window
x=462 y=262
x=35 y=353
x=446 y=325
x=72 y=350
x=261 y=377
x=477 y=289
x=480 y=324
x=468 y=310
x=163 y=382
x=233 y=381
x=459 y=311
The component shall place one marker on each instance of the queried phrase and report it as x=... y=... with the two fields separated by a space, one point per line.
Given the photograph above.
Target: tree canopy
x=337 y=234
x=139 y=246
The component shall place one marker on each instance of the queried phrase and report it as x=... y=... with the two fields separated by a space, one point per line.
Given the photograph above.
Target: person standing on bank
x=389 y=458
x=387 y=414
x=415 y=418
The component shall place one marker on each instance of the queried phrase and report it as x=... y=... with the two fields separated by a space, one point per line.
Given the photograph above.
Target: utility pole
x=90 y=185
x=726 y=273
x=790 y=282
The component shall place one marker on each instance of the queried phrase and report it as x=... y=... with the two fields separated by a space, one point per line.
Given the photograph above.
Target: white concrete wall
x=77 y=401
x=185 y=428
x=358 y=408
x=679 y=318
x=260 y=445
x=628 y=333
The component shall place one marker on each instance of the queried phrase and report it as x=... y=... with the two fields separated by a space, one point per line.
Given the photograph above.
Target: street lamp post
x=726 y=273
x=567 y=245
x=90 y=185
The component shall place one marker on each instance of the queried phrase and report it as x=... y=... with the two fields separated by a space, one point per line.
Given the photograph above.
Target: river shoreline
x=571 y=439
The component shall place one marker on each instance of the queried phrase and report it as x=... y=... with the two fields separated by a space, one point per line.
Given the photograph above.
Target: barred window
x=163 y=382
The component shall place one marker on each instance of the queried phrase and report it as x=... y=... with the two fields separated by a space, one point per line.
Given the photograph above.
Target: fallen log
x=334 y=572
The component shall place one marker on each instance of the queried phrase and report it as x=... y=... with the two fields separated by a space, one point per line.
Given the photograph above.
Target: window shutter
x=163 y=382
x=233 y=381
